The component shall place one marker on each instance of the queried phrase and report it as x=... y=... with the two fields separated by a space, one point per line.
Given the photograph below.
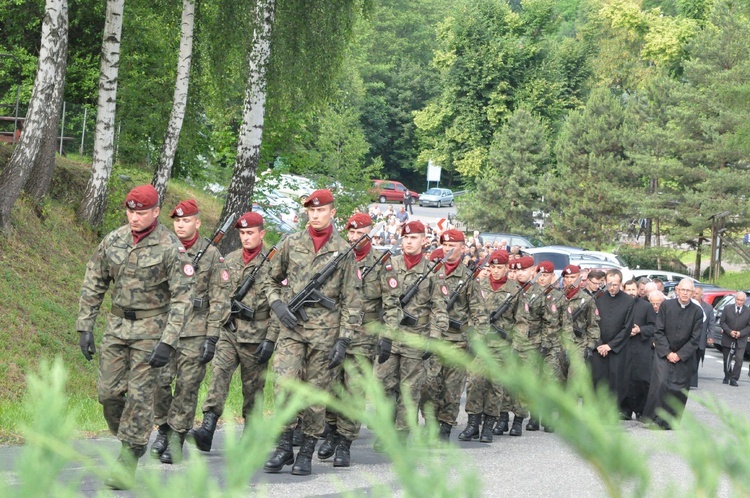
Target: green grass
x=735 y=280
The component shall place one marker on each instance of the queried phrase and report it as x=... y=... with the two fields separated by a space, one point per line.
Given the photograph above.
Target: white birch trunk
x=179 y=102
x=53 y=43
x=95 y=197
x=240 y=192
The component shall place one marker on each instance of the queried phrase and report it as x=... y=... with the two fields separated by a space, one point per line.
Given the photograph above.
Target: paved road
x=536 y=464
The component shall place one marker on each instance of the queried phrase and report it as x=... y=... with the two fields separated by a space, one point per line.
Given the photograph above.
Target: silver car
x=437 y=197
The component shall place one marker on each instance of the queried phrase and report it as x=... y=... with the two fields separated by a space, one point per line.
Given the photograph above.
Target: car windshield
x=433 y=191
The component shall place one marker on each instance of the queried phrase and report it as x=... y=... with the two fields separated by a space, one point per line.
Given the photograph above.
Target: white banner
x=433 y=172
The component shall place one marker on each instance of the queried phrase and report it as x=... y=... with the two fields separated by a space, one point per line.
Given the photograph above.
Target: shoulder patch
x=182 y=248
x=392 y=283
x=388 y=267
x=441 y=275
x=221 y=259
x=444 y=290
x=225 y=275
x=188 y=270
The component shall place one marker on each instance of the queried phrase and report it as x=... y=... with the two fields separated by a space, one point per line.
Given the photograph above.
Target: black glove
x=428 y=354
x=588 y=353
x=338 y=353
x=282 y=311
x=383 y=349
x=264 y=351
x=86 y=342
x=160 y=356
x=208 y=349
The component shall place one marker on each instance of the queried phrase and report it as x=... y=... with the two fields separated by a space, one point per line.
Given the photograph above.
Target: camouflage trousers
x=347 y=386
x=555 y=360
x=443 y=388
x=188 y=372
x=483 y=396
x=229 y=355
x=126 y=387
x=298 y=360
x=402 y=377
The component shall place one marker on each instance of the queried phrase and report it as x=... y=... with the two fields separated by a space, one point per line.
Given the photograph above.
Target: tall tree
x=94 y=201
x=179 y=101
x=41 y=107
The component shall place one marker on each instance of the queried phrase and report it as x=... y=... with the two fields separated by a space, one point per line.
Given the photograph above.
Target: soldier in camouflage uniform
x=308 y=349
x=580 y=334
x=445 y=383
x=402 y=371
x=485 y=398
x=362 y=348
x=151 y=300
x=198 y=338
x=248 y=340
x=551 y=346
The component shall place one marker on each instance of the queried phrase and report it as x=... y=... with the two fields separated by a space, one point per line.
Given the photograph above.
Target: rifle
x=381 y=260
x=408 y=319
x=498 y=313
x=574 y=316
x=311 y=293
x=237 y=306
x=457 y=324
x=218 y=235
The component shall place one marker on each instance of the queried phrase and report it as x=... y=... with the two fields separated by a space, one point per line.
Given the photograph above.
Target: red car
x=390 y=191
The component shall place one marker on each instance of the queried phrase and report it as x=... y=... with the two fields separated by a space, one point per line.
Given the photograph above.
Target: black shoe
x=298 y=436
x=472 y=428
x=549 y=429
x=203 y=436
x=160 y=443
x=329 y=444
x=123 y=475
x=343 y=457
x=283 y=454
x=733 y=383
x=487 y=426
x=445 y=432
x=725 y=381
x=517 y=429
x=502 y=424
x=533 y=424
x=173 y=453
x=303 y=463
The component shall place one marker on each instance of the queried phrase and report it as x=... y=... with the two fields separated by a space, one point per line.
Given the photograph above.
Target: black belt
x=200 y=304
x=129 y=314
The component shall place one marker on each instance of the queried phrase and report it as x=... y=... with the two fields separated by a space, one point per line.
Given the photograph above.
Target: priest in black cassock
x=640 y=355
x=615 y=323
x=678 y=329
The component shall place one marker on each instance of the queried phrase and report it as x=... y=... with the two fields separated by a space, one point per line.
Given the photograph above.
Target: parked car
x=279 y=204
x=272 y=220
x=664 y=276
x=590 y=264
x=559 y=258
x=294 y=186
x=390 y=191
x=511 y=238
x=725 y=301
x=437 y=197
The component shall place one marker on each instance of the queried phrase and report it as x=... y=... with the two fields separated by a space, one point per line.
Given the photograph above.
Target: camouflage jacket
x=251 y=331
x=296 y=263
x=372 y=305
x=553 y=319
x=528 y=326
x=469 y=309
x=151 y=275
x=428 y=304
x=210 y=305
x=587 y=322
x=493 y=300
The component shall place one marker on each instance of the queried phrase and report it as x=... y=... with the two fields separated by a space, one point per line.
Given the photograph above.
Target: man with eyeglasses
x=735 y=326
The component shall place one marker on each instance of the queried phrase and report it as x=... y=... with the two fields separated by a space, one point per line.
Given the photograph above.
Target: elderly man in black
x=678 y=329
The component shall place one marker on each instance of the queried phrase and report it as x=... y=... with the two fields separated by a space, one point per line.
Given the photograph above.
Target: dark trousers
x=738 y=356
x=407 y=205
x=699 y=354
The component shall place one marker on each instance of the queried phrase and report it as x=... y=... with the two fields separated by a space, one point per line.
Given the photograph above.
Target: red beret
x=412 y=227
x=437 y=254
x=499 y=257
x=545 y=267
x=185 y=208
x=452 y=236
x=522 y=263
x=571 y=270
x=358 y=220
x=319 y=198
x=249 y=220
x=142 y=197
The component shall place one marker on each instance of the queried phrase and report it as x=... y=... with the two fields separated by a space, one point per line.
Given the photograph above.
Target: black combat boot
x=533 y=424
x=284 y=455
x=502 y=424
x=329 y=444
x=342 y=458
x=303 y=464
x=173 y=453
x=123 y=475
x=204 y=435
x=472 y=428
x=517 y=429
x=298 y=436
x=487 y=426
x=445 y=432
x=160 y=443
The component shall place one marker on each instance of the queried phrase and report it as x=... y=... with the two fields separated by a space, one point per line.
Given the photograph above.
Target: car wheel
x=421 y=205
x=382 y=199
x=451 y=204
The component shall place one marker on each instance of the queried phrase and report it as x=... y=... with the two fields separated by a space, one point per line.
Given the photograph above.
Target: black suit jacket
x=730 y=320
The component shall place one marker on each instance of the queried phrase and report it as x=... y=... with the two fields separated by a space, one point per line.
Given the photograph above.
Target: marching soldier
x=445 y=383
x=198 y=338
x=551 y=346
x=484 y=398
x=362 y=348
x=309 y=349
x=151 y=298
x=581 y=320
x=249 y=337
x=401 y=368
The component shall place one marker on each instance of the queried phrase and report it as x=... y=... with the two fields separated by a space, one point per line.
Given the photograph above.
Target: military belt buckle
x=197 y=302
x=129 y=314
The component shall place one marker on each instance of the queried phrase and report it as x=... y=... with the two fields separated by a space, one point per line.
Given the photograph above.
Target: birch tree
x=53 y=46
x=95 y=196
x=176 y=117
